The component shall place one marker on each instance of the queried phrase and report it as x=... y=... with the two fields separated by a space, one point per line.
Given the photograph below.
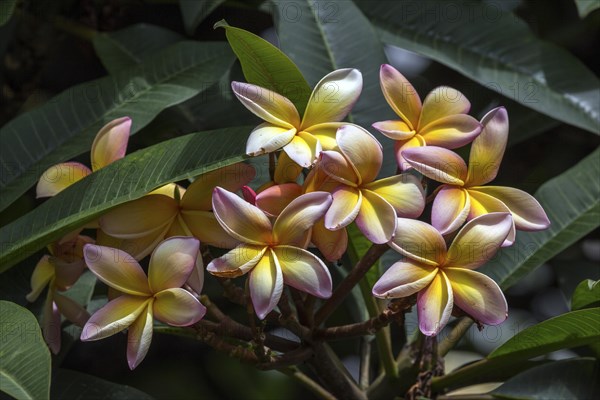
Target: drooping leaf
x=69 y=384
x=132 y=45
x=266 y=66
x=585 y=7
x=495 y=48
x=65 y=126
x=24 y=357
x=7 y=9
x=124 y=180
x=194 y=12
x=575 y=379
x=586 y=295
x=572 y=202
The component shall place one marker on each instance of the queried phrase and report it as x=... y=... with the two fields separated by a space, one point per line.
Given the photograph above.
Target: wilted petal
x=240 y=219
x=275 y=198
x=488 y=148
x=403 y=279
x=332 y=244
x=267 y=105
x=248 y=194
x=117 y=269
x=441 y=165
x=395 y=130
x=204 y=226
x=172 y=262
x=304 y=271
x=141 y=217
x=266 y=284
x=237 y=261
x=452 y=131
x=478 y=295
x=72 y=310
x=287 y=170
x=404 y=192
x=139 y=337
x=336 y=166
x=400 y=95
x=441 y=102
x=267 y=138
x=115 y=316
x=450 y=209
x=299 y=216
x=400 y=146
x=482 y=204
x=51 y=323
x=434 y=305
x=178 y=307
x=41 y=276
x=196 y=279
x=333 y=97
x=67 y=273
x=419 y=241
x=60 y=176
x=344 y=207
x=479 y=240
x=325 y=133
x=110 y=143
x=376 y=218
x=303 y=149
x=362 y=150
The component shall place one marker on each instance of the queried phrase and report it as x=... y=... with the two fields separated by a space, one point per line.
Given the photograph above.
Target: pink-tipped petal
x=401 y=145
x=404 y=192
x=419 y=241
x=172 y=262
x=332 y=244
x=488 y=148
x=333 y=97
x=266 y=284
x=442 y=102
x=139 y=337
x=266 y=138
x=240 y=219
x=452 y=131
x=299 y=216
x=337 y=167
x=267 y=105
x=110 y=143
x=205 y=226
x=482 y=204
x=395 y=130
x=304 y=271
x=178 y=307
x=196 y=279
x=115 y=316
x=479 y=240
x=60 y=176
x=41 y=276
x=303 y=149
x=478 y=295
x=450 y=209
x=237 y=261
x=434 y=305
x=275 y=198
x=400 y=95
x=117 y=269
x=72 y=310
x=362 y=150
x=437 y=163
x=50 y=323
x=403 y=279
x=344 y=207
x=376 y=218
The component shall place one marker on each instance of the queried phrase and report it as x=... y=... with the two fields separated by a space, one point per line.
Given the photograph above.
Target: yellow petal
x=400 y=146
x=138 y=248
x=42 y=274
x=267 y=105
x=178 y=307
x=304 y=149
x=451 y=131
x=115 y=316
x=404 y=192
x=266 y=284
x=287 y=170
x=376 y=218
x=400 y=95
x=139 y=337
x=292 y=225
x=437 y=163
x=482 y=204
x=172 y=262
x=169 y=190
x=344 y=207
x=395 y=130
x=304 y=271
x=419 y=241
x=332 y=244
x=325 y=133
x=336 y=166
x=362 y=150
x=60 y=176
x=110 y=143
x=442 y=102
x=267 y=138
x=204 y=226
x=403 y=279
x=434 y=305
x=237 y=261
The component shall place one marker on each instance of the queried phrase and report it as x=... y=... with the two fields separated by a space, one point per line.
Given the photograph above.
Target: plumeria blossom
x=59 y=271
x=158 y=295
x=273 y=253
x=462 y=196
x=374 y=204
x=441 y=120
x=138 y=226
x=302 y=139
x=443 y=278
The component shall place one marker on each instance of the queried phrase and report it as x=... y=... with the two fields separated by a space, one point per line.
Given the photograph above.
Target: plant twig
x=365 y=363
x=454 y=336
x=310 y=384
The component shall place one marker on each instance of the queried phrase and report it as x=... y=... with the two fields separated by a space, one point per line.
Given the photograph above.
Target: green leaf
x=575 y=379
x=358 y=245
x=586 y=295
x=65 y=126
x=68 y=384
x=131 y=46
x=124 y=180
x=194 y=12
x=572 y=202
x=24 y=357
x=7 y=9
x=572 y=329
x=496 y=49
x=585 y=7
x=266 y=66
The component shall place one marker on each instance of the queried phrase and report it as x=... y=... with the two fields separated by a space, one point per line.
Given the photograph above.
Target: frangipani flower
x=59 y=272
x=374 y=204
x=273 y=253
x=461 y=197
x=138 y=226
x=302 y=139
x=443 y=278
x=441 y=120
x=110 y=144
x=158 y=295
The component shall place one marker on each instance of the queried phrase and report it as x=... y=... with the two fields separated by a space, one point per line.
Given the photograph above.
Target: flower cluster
x=327 y=176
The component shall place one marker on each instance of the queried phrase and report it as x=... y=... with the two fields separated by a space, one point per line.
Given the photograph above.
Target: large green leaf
x=565 y=379
x=68 y=384
x=65 y=126
x=7 y=9
x=266 y=66
x=124 y=180
x=194 y=12
x=587 y=294
x=575 y=328
x=572 y=202
x=495 y=48
x=584 y=7
x=24 y=357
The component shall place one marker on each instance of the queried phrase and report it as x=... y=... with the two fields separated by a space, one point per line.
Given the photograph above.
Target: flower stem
x=310 y=384
x=455 y=335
